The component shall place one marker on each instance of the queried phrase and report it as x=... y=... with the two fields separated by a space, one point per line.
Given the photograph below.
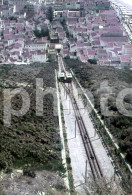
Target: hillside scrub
x=30 y=140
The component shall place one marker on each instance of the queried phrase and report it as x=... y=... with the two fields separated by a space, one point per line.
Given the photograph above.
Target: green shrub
x=68 y=160
x=59 y=187
x=30 y=173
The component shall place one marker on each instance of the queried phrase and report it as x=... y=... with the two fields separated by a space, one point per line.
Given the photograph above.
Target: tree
x=92 y=61
x=12 y=18
x=42 y=33
x=50 y=14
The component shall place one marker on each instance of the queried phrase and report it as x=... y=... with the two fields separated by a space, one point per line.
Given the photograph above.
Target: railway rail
x=92 y=159
x=61 y=67
x=63 y=75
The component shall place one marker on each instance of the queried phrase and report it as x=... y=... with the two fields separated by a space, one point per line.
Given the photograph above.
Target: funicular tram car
x=65 y=77
x=68 y=78
x=61 y=77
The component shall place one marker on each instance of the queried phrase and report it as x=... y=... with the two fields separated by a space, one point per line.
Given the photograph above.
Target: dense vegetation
x=90 y=77
x=49 y=14
x=30 y=140
x=41 y=33
x=92 y=61
x=12 y=18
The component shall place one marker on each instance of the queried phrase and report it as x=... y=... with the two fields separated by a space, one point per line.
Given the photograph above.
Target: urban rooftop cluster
x=88 y=30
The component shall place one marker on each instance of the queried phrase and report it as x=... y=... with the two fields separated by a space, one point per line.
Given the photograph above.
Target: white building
x=39 y=56
x=127 y=49
x=36 y=46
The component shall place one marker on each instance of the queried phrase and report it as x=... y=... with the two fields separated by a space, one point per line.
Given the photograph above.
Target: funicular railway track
x=92 y=159
x=91 y=156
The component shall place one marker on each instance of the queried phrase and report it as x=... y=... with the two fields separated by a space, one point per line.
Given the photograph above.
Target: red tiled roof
x=125 y=58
